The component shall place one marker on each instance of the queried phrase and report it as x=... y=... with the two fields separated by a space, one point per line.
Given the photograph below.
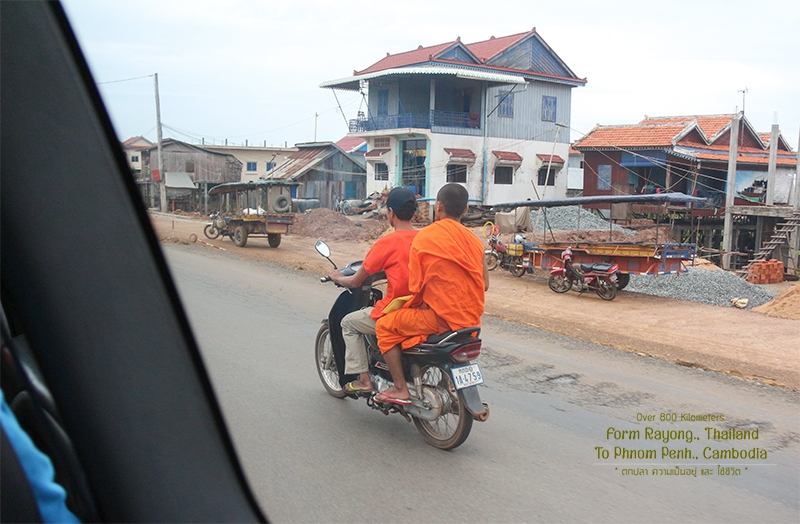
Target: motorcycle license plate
x=466 y=376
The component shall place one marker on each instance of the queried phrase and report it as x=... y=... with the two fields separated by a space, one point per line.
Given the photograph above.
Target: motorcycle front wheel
x=326 y=363
x=606 y=290
x=491 y=261
x=559 y=283
x=211 y=232
x=452 y=428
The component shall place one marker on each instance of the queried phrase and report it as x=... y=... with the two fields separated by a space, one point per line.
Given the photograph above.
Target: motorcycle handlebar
x=325 y=279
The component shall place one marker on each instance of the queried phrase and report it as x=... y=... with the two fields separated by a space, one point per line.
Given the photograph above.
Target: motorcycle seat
x=435 y=339
x=600 y=268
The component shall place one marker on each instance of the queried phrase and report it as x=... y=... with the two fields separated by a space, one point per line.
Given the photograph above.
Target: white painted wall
x=130 y=154
x=438 y=158
x=259 y=155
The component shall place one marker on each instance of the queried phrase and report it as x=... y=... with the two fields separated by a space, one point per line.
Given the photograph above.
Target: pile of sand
x=785 y=305
x=326 y=224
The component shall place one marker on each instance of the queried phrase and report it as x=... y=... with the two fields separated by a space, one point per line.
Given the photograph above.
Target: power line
x=123 y=80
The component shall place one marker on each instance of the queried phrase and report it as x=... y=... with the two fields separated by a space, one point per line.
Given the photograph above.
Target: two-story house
x=492 y=115
x=134 y=147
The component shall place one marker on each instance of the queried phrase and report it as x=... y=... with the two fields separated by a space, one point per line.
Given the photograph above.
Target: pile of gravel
x=572 y=217
x=709 y=287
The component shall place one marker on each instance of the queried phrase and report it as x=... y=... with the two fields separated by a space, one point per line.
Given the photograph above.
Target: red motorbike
x=600 y=278
x=506 y=256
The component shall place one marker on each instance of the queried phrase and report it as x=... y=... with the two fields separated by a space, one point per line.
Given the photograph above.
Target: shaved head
x=453 y=198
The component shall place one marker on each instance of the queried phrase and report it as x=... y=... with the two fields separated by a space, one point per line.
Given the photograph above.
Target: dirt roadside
x=741 y=343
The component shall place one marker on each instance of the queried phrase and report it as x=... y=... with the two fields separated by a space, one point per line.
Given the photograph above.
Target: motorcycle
x=600 y=278
x=217 y=227
x=506 y=256
x=442 y=377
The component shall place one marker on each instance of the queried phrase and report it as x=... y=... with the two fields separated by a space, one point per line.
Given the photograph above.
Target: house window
x=581 y=164
x=604 y=176
x=381 y=142
x=545 y=178
x=270 y=166
x=381 y=171
x=252 y=166
x=503 y=175
x=189 y=166
x=549 y=108
x=134 y=158
x=383 y=102
x=457 y=173
x=506 y=101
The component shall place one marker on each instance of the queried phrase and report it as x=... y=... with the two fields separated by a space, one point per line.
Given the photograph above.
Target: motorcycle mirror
x=323 y=249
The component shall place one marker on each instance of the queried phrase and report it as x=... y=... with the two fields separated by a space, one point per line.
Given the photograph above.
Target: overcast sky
x=251 y=69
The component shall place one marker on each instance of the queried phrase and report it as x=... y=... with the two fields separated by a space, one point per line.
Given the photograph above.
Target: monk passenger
x=447 y=279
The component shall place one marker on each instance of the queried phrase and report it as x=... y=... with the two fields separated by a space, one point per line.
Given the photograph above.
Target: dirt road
x=737 y=342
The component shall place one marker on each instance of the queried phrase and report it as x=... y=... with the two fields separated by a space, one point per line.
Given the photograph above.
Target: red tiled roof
x=460 y=153
x=507 y=156
x=636 y=135
x=375 y=153
x=131 y=143
x=350 y=143
x=710 y=124
x=420 y=54
x=546 y=158
x=486 y=49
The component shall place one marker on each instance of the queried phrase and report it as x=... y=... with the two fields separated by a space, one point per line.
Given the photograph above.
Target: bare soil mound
x=785 y=305
x=327 y=224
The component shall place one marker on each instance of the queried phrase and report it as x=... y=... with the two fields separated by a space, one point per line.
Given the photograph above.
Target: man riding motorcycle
x=390 y=256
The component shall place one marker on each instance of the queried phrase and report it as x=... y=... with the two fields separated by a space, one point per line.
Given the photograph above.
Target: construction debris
x=786 y=305
x=709 y=287
x=573 y=218
x=326 y=224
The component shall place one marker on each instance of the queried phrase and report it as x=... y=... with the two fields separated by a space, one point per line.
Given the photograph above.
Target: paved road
x=310 y=457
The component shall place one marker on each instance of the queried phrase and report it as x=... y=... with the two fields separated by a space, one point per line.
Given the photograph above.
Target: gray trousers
x=355 y=325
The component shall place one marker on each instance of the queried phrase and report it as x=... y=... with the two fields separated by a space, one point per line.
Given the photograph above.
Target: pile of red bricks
x=766 y=272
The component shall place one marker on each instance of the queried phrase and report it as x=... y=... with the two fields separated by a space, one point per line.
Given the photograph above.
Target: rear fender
x=472 y=401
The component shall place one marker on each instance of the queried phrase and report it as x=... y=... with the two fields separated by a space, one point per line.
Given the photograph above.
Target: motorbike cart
x=261 y=208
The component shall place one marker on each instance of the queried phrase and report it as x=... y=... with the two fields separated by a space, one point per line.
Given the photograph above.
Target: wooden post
x=773 y=164
x=668 y=181
x=730 y=191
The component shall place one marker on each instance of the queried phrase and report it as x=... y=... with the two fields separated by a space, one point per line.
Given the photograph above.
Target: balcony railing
x=416 y=120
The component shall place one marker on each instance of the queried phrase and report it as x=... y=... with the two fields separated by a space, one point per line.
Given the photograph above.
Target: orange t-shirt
x=390 y=255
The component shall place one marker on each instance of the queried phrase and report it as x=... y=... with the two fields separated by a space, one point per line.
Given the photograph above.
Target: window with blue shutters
x=549 y=108
x=252 y=166
x=383 y=102
x=506 y=107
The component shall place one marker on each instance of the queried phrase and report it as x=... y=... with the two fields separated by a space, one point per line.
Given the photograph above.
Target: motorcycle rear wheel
x=606 y=290
x=491 y=261
x=517 y=269
x=326 y=363
x=452 y=428
x=211 y=232
x=559 y=284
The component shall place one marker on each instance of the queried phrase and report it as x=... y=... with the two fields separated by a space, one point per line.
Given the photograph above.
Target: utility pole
x=730 y=191
x=773 y=164
x=162 y=175
x=316 y=116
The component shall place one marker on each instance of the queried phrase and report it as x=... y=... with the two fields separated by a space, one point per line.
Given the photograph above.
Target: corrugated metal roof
x=179 y=181
x=301 y=161
x=439 y=70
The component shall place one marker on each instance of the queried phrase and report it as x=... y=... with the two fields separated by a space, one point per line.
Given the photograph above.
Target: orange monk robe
x=447 y=282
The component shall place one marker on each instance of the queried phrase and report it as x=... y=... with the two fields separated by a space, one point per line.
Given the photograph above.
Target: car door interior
x=100 y=358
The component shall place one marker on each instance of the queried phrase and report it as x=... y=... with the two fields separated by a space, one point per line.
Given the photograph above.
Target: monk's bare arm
x=352 y=281
x=485 y=276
